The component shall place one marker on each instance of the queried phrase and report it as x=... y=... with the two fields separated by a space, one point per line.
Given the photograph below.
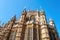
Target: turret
x=42 y=17
x=44 y=27
x=29 y=10
x=37 y=17
x=13 y=18
x=52 y=25
x=24 y=14
x=51 y=22
x=24 y=11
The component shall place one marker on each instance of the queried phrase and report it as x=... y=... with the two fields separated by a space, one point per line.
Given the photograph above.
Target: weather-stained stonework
x=32 y=25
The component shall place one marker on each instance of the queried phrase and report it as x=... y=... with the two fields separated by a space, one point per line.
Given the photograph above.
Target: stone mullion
x=32 y=31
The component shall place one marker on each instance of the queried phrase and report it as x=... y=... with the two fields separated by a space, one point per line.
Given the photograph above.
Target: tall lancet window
x=34 y=34
x=37 y=34
x=30 y=34
x=12 y=36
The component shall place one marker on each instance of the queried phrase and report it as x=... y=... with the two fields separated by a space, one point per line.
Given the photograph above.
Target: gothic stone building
x=32 y=25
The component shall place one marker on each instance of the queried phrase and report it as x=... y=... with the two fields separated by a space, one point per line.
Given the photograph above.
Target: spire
x=42 y=11
x=29 y=9
x=37 y=11
x=24 y=11
x=13 y=18
x=37 y=17
x=51 y=22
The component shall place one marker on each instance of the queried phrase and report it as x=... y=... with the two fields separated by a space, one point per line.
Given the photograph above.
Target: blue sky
x=9 y=8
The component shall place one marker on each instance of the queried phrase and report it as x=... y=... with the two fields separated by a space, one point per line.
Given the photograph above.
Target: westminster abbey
x=32 y=25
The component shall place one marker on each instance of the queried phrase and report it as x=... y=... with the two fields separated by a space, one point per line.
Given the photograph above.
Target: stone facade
x=32 y=25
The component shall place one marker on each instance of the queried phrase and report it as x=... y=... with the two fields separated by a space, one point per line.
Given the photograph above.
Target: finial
x=2 y=24
x=14 y=17
x=24 y=9
x=50 y=19
x=41 y=10
x=51 y=22
x=29 y=9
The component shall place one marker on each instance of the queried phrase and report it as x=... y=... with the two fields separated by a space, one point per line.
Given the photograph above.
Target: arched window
x=30 y=33
x=33 y=19
x=12 y=36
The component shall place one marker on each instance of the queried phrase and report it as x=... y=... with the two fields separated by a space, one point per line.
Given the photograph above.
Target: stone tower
x=32 y=25
x=44 y=27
